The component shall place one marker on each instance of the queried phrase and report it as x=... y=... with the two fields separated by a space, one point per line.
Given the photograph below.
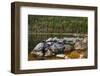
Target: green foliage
x=57 y=24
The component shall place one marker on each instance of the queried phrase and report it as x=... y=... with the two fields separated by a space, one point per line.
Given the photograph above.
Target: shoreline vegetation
x=70 y=34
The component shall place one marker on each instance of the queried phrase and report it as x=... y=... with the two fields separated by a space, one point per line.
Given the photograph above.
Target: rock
x=85 y=40
x=67 y=48
x=48 y=53
x=39 y=53
x=57 y=48
x=77 y=45
x=48 y=40
x=39 y=46
x=60 y=55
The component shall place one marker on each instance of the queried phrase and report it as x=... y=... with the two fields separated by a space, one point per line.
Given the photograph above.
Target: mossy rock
x=73 y=55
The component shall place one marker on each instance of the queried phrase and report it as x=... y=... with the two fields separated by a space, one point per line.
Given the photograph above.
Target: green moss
x=73 y=55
